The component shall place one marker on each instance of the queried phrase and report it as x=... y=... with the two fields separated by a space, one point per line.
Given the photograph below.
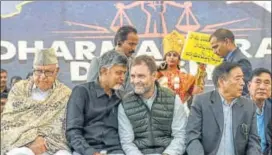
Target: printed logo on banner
x=75 y=30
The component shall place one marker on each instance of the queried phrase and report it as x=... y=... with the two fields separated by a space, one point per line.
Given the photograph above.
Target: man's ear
x=103 y=70
x=221 y=81
x=119 y=43
x=154 y=75
x=227 y=40
x=248 y=85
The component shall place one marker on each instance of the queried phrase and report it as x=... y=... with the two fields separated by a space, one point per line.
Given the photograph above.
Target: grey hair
x=112 y=58
x=109 y=66
x=57 y=66
x=222 y=71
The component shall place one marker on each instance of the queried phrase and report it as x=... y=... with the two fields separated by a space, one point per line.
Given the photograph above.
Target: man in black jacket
x=222 y=42
x=92 y=124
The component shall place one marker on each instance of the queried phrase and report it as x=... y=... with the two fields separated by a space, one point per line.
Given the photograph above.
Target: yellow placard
x=198 y=48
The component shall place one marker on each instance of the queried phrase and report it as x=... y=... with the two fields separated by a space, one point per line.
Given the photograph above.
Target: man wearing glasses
x=32 y=122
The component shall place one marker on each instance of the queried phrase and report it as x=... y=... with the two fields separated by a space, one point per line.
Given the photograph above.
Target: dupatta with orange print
x=185 y=85
x=24 y=119
x=188 y=85
x=186 y=82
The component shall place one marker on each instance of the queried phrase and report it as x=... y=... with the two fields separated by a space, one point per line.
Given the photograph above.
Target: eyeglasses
x=46 y=73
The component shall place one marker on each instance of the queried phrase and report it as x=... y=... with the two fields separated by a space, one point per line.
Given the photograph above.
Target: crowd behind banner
x=130 y=105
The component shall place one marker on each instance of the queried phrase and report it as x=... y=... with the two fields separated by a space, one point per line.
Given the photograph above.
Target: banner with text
x=198 y=48
x=82 y=30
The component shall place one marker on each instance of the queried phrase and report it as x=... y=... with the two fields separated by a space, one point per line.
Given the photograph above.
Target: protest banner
x=198 y=48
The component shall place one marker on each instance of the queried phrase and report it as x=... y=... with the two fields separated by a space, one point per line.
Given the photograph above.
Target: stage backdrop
x=82 y=30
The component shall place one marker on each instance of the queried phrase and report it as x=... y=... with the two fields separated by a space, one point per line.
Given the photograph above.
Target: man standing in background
x=4 y=78
x=125 y=42
x=223 y=44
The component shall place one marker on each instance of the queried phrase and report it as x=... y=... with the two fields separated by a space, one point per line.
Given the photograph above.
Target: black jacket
x=92 y=123
x=245 y=64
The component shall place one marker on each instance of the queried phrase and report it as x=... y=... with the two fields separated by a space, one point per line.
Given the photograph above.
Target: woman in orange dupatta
x=169 y=73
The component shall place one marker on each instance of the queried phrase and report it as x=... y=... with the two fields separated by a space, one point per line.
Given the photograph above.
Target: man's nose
x=135 y=80
x=42 y=76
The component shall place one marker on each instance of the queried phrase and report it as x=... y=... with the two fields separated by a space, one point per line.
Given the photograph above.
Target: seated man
x=152 y=119
x=260 y=89
x=222 y=122
x=33 y=117
x=92 y=124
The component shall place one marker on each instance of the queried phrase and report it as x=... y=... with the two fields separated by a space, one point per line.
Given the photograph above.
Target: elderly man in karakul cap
x=32 y=122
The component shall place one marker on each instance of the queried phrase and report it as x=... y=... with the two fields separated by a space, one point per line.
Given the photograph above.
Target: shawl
x=23 y=118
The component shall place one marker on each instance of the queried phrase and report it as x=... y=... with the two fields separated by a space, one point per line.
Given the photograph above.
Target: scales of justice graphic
x=155 y=24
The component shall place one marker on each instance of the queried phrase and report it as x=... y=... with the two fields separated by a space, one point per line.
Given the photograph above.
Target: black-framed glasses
x=46 y=73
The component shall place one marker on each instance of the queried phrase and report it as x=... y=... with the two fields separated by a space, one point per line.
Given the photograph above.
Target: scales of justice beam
x=121 y=18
